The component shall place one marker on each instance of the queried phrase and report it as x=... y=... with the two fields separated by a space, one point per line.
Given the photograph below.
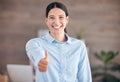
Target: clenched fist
x=43 y=63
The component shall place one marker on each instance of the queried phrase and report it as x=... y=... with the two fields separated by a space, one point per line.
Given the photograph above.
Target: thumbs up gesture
x=43 y=63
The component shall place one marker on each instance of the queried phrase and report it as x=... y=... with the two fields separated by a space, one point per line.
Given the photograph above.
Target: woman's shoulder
x=34 y=40
x=76 y=40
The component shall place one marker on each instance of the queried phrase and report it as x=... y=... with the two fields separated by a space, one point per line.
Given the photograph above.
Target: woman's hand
x=43 y=63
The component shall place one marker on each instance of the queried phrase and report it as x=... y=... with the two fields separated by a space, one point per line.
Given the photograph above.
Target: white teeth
x=57 y=27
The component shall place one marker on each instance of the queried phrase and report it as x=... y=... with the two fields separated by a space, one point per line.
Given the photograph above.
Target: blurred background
x=97 y=22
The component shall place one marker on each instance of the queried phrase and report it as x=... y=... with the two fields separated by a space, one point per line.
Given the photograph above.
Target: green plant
x=103 y=72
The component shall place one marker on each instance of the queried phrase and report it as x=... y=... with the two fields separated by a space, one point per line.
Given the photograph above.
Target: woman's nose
x=57 y=21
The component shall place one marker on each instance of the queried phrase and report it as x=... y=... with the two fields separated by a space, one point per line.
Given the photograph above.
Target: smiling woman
x=57 y=21
x=56 y=56
x=57 y=18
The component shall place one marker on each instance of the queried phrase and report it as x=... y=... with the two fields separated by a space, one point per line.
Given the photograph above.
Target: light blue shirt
x=68 y=61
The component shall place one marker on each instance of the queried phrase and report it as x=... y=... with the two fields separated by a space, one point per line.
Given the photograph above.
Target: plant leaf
x=98 y=56
x=109 y=78
x=106 y=58
x=115 y=67
x=112 y=78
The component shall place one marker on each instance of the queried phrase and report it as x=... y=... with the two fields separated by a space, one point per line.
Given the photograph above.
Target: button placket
x=62 y=61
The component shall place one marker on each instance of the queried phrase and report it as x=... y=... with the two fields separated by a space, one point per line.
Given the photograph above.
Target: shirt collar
x=50 y=39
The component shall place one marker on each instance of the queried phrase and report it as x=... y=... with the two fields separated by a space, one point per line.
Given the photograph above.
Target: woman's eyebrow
x=61 y=15
x=51 y=15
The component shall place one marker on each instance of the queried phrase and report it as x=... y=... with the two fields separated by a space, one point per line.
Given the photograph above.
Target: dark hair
x=56 y=5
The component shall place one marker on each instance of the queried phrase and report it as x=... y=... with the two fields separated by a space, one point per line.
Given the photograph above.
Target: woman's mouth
x=57 y=27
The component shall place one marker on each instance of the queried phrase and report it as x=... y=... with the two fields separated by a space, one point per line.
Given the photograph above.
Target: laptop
x=20 y=73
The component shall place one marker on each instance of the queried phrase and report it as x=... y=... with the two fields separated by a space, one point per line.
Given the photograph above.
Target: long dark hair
x=57 y=5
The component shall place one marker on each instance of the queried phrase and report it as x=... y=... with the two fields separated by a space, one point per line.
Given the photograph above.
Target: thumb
x=46 y=54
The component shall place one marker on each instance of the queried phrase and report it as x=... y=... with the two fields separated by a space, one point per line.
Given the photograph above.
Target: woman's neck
x=60 y=37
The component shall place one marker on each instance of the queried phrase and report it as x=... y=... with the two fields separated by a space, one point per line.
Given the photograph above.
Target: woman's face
x=56 y=20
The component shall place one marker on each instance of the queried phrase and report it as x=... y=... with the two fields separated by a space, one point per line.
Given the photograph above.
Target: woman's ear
x=46 y=20
x=67 y=18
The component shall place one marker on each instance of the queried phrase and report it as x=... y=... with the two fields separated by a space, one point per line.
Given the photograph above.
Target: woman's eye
x=51 y=17
x=61 y=17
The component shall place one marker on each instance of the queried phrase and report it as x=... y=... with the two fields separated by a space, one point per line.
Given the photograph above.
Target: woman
x=56 y=56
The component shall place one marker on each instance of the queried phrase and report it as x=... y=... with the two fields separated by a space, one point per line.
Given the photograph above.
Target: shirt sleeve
x=34 y=51
x=84 y=71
